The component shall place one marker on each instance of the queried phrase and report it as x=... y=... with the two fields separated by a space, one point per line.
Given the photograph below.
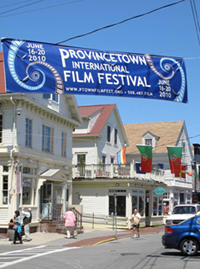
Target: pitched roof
x=167 y=131
x=105 y=111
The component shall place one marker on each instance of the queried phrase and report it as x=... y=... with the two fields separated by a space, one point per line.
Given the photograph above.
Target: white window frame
x=138 y=193
x=115 y=136
x=28 y=136
x=158 y=197
x=45 y=136
x=51 y=96
x=108 y=139
x=64 y=144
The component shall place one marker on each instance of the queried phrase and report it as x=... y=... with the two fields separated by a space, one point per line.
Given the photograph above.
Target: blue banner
x=47 y=68
x=138 y=168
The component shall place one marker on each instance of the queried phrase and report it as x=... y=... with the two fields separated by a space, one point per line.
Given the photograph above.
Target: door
x=47 y=200
x=147 y=219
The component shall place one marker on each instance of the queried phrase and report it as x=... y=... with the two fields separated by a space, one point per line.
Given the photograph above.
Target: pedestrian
x=27 y=223
x=17 y=227
x=70 y=222
x=135 y=221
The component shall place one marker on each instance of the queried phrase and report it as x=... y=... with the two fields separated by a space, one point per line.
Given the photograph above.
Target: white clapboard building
x=98 y=178
x=35 y=153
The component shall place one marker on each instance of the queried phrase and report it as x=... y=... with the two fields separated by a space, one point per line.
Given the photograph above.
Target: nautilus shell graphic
x=168 y=66
x=35 y=74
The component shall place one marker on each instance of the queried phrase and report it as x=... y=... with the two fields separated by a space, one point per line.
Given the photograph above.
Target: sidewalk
x=90 y=237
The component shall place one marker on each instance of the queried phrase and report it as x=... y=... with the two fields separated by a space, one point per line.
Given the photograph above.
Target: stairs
x=58 y=225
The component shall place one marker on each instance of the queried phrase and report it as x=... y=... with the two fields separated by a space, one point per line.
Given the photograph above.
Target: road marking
x=21 y=250
x=103 y=241
x=6 y=264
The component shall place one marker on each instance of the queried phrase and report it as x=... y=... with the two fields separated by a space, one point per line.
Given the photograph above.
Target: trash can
x=11 y=232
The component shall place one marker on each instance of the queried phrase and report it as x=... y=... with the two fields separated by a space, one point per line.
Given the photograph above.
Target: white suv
x=182 y=212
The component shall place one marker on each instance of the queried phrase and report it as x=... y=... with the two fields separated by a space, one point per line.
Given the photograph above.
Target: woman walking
x=70 y=222
x=18 y=228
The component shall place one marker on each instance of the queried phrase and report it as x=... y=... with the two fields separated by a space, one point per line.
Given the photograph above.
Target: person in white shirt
x=135 y=221
x=27 y=223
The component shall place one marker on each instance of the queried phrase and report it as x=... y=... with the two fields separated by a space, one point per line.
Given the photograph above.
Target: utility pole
x=115 y=201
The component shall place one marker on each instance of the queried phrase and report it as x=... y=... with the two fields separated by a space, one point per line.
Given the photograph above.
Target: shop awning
x=53 y=175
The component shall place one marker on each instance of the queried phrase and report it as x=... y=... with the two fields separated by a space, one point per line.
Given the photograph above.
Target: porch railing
x=51 y=213
x=114 y=171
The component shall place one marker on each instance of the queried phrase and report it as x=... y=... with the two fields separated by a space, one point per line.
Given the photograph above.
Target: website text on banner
x=47 y=68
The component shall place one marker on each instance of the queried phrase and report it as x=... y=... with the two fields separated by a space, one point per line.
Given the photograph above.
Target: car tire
x=189 y=247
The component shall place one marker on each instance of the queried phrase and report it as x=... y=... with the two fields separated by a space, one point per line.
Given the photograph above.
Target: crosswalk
x=17 y=256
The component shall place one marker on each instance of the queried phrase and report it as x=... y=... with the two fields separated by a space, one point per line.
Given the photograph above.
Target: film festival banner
x=48 y=68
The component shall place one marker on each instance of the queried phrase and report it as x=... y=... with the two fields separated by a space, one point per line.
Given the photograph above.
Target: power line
x=195 y=19
x=47 y=7
x=114 y=24
x=33 y=3
x=14 y=4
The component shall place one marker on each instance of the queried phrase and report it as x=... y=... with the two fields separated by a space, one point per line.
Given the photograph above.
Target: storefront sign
x=159 y=191
x=47 y=68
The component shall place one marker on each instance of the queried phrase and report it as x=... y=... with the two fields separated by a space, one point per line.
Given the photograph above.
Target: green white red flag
x=175 y=155
x=146 y=158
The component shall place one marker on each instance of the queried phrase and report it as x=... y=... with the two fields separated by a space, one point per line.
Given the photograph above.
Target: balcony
x=114 y=171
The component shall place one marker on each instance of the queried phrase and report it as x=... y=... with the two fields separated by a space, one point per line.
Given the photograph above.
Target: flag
x=146 y=158
x=138 y=168
x=121 y=156
x=183 y=172
x=175 y=155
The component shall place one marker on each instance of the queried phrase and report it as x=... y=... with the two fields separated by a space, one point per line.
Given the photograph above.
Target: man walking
x=135 y=221
x=27 y=223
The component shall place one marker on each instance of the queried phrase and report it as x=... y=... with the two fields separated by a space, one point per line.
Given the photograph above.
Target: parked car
x=185 y=236
x=181 y=212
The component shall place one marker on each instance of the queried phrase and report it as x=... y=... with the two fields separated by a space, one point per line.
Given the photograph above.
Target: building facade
x=160 y=135
x=35 y=153
x=97 y=178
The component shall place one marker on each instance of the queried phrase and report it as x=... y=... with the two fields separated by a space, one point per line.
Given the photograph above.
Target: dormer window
x=150 y=139
x=148 y=142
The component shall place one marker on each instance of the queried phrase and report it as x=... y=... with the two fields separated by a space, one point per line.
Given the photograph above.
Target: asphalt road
x=145 y=252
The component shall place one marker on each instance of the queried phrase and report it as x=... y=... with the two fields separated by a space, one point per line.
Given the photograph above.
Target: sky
x=168 y=32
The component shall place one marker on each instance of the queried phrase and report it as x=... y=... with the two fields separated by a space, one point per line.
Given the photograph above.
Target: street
x=145 y=252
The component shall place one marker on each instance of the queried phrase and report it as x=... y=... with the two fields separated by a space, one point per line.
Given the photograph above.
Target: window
x=148 y=142
x=115 y=138
x=26 y=191
x=157 y=206
x=28 y=139
x=5 y=168
x=47 y=138
x=81 y=164
x=121 y=205
x=5 y=190
x=182 y=198
x=64 y=144
x=46 y=95
x=108 y=133
x=166 y=195
x=53 y=97
x=112 y=159
x=1 y=128
x=184 y=146
x=81 y=158
x=138 y=201
x=103 y=159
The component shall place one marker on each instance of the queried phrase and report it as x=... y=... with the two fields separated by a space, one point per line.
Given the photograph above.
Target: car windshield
x=184 y=210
